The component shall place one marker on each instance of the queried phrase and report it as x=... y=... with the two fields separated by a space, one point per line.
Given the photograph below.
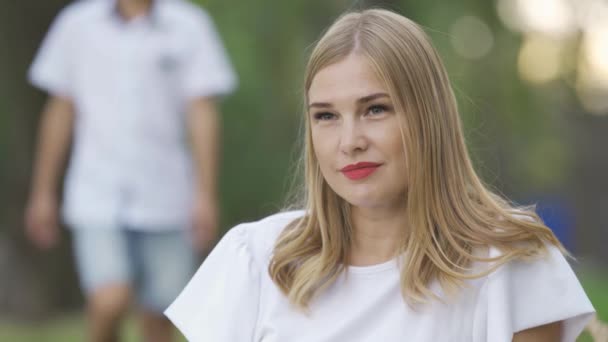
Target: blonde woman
x=399 y=240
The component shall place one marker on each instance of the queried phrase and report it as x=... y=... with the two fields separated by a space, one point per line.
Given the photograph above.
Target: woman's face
x=356 y=136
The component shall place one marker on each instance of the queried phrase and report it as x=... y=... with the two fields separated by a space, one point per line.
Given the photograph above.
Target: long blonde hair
x=450 y=212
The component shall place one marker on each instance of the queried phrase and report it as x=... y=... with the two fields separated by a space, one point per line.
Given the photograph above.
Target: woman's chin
x=373 y=200
x=366 y=202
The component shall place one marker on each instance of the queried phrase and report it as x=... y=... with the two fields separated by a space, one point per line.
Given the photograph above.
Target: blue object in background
x=559 y=216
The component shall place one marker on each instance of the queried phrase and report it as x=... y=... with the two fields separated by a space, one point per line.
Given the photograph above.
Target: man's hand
x=204 y=131
x=42 y=221
x=598 y=329
x=54 y=138
x=205 y=222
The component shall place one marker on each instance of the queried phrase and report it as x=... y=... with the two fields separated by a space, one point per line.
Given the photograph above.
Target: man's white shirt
x=130 y=83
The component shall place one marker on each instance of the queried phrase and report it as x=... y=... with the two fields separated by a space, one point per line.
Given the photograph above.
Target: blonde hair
x=450 y=212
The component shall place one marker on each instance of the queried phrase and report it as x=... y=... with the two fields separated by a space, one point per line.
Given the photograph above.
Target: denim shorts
x=156 y=265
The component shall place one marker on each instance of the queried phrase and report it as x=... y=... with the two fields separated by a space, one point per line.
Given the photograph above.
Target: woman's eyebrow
x=371 y=97
x=320 y=105
x=362 y=100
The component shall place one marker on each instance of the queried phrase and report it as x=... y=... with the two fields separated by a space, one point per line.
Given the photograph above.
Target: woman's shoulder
x=552 y=257
x=226 y=288
x=551 y=261
x=527 y=293
x=259 y=236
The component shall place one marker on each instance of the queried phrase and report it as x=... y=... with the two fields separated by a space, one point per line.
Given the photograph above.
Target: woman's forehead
x=352 y=78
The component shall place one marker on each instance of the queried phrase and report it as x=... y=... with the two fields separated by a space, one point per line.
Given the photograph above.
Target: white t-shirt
x=232 y=299
x=130 y=82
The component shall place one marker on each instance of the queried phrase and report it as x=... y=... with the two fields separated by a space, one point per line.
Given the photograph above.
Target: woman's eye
x=377 y=109
x=324 y=116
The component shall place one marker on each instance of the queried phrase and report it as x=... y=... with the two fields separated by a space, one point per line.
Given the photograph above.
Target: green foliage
x=595 y=285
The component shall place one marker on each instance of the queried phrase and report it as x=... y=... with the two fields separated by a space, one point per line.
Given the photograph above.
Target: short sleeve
x=220 y=303
x=522 y=295
x=207 y=70
x=50 y=70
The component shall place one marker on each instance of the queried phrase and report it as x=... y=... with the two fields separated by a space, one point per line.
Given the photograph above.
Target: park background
x=531 y=77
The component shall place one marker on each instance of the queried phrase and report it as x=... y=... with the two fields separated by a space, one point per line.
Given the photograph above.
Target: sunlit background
x=563 y=40
x=531 y=77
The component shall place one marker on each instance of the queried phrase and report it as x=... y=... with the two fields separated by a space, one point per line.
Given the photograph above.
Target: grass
x=71 y=328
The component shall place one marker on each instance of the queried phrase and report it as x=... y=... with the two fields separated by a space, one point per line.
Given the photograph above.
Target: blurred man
x=131 y=86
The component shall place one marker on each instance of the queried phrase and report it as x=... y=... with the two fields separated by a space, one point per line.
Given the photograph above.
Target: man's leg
x=165 y=262
x=103 y=267
x=106 y=308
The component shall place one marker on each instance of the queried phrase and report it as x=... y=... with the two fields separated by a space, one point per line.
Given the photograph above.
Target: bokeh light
x=546 y=25
x=551 y=17
x=471 y=37
x=595 y=53
x=540 y=59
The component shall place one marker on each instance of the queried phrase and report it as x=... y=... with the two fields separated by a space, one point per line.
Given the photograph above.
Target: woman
x=399 y=240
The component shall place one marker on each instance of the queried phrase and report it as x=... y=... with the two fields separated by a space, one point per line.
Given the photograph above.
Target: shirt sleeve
x=522 y=295
x=207 y=70
x=50 y=70
x=220 y=303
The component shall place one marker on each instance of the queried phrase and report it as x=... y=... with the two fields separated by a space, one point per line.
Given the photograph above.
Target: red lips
x=359 y=170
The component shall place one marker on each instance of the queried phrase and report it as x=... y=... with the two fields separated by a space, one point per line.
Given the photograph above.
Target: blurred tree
x=32 y=283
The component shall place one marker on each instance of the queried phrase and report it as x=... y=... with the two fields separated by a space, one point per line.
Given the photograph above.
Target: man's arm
x=204 y=126
x=54 y=137
x=551 y=332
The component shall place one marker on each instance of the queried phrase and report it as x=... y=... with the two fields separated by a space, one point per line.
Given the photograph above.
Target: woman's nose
x=352 y=137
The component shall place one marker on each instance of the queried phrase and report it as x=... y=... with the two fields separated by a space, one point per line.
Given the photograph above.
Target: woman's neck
x=130 y=9
x=376 y=235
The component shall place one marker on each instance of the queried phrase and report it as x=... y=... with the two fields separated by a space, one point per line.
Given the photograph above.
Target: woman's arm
x=551 y=332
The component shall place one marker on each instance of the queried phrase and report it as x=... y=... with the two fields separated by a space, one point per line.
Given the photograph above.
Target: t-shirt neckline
x=376 y=268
